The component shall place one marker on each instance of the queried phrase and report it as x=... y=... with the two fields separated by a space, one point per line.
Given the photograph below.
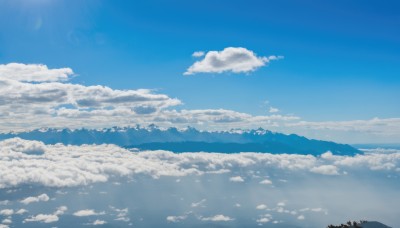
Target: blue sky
x=341 y=58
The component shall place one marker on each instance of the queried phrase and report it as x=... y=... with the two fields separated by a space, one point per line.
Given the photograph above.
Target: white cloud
x=99 y=222
x=236 y=179
x=61 y=210
x=45 y=218
x=198 y=54
x=21 y=211
x=301 y=217
x=217 y=218
x=33 y=199
x=261 y=207
x=263 y=220
x=266 y=182
x=33 y=72
x=7 y=212
x=87 y=212
x=234 y=59
x=176 y=218
x=326 y=170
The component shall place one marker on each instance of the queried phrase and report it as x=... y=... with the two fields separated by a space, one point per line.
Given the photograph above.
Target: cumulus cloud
x=263 y=220
x=261 y=207
x=21 y=211
x=32 y=199
x=217 y=218
x=87 y=212
x=33 y=73
x=176 y=218
x=236 y=179
x=7 y=212
x=266 y=182
x=233 y=59
x=45 y=218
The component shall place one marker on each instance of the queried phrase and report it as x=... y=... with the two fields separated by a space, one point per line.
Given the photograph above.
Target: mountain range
x=188 y=140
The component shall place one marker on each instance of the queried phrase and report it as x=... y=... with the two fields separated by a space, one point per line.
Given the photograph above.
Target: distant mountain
x=189 y=140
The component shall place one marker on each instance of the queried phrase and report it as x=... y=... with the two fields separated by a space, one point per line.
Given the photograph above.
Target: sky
x=327 y=70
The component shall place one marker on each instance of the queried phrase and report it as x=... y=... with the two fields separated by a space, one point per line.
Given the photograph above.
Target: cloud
x=198 y=54
x=266 y=182
x=217 y=218
x=31 y=199
x=176 y=218
x=236 y=179
x=87 y=212
x=45 y=218
x=326 y=170
x=33 y=73
x=7 y=212
x=261 y=207
x=98 y=222
x=263 y=220
x=21 y=211
x=233 y=59
x=301 y=217
x=61 y=210
x=61 y=165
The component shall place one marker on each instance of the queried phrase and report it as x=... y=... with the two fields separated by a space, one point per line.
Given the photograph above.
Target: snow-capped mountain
x=188 y=140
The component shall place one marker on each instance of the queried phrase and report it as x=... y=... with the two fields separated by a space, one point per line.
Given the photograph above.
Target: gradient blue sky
x=342 y=58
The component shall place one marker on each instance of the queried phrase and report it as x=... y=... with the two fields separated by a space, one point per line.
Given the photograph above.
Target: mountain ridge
x=174 y=139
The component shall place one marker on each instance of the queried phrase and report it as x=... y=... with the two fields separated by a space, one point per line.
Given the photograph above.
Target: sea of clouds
x=106 y=185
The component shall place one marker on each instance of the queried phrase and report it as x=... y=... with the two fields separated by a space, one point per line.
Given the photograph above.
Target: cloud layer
x=231 y=59
x=58 y=185
x=65 y=166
